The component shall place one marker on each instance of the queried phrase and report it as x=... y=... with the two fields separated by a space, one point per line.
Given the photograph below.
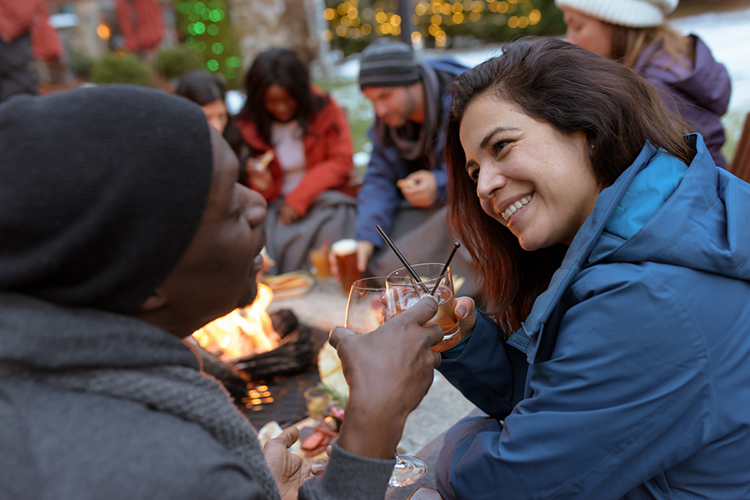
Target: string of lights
x=433 y=19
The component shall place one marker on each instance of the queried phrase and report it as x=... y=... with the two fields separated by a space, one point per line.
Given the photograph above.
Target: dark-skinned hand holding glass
x=389 y=371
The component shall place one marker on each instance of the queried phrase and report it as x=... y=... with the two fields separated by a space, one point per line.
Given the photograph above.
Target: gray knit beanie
x=101 y=192
x=630 y=13
x=388 y=64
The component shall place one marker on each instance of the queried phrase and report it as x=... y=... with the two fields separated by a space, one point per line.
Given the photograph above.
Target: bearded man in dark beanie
x=404 y=187
x=124 y=230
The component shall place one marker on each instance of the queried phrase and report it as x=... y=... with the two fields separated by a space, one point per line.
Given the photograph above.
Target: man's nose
x=255 y=207
x=380 y=109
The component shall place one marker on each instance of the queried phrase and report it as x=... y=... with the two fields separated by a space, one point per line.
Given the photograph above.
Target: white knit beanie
x=631 y=13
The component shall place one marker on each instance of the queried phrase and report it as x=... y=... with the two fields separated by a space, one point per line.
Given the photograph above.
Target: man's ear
x=154 y=302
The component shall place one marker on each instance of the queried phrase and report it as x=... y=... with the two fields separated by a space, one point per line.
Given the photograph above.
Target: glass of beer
x=345 y=252
x=320 y=263
x=404 y=291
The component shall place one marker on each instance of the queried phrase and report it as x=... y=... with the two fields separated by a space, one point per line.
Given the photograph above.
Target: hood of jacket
x=706 y=83
x=658 y=210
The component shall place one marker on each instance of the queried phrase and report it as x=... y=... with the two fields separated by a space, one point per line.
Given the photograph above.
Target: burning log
x=242 y=331
x=295 y=354
x=235 y=381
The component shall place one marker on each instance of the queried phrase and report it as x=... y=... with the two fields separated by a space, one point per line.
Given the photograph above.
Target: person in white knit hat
x=635 y=32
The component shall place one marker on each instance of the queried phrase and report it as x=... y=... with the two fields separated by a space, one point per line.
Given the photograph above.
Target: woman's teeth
x=515 y=207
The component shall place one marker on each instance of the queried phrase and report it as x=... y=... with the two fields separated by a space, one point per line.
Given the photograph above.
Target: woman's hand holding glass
x=466 y=313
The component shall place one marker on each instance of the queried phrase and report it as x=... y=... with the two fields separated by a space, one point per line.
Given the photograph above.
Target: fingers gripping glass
x=404 y=292
x=366 y=310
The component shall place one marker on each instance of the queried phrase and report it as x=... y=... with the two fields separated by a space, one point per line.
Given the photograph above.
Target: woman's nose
x=489 y=183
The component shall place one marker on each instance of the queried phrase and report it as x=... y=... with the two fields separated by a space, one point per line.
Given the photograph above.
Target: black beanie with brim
x=101 y=191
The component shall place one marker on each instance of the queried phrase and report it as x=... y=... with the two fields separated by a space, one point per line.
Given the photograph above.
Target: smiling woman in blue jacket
x=613 y=356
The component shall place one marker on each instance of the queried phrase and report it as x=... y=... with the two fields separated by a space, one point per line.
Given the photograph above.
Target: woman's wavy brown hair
x=573 y=90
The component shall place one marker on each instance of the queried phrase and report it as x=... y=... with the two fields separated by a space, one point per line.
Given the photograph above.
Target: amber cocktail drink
x=404 y=291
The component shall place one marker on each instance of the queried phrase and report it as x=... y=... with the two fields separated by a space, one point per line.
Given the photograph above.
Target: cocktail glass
x=404 y=291
x=366 y=310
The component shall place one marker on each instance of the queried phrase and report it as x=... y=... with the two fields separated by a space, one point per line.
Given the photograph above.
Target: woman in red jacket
x=307 y=180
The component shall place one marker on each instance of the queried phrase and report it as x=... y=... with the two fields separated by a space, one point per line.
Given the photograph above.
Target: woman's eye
x=498 y=147
x=473 y=172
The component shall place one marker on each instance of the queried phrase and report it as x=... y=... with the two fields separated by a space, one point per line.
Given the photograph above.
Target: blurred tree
x=120 y=67
x=175 y=61
x=205 y=28
x=440 y=23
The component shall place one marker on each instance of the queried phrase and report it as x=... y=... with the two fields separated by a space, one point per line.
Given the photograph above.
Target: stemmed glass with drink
x=366 y=309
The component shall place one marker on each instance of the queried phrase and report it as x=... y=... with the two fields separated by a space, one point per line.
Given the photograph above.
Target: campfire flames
x=243 y=331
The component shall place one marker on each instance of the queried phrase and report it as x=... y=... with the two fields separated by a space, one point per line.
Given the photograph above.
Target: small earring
x=592 y=147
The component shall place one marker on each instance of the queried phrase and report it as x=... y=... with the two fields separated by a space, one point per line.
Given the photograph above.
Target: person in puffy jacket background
x=635 y=33
x=304 y=135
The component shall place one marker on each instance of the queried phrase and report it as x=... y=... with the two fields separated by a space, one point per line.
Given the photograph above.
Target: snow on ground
x=728 y=36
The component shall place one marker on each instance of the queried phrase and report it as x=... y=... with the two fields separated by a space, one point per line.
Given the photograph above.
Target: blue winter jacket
x=631 y=376
x=379 y=197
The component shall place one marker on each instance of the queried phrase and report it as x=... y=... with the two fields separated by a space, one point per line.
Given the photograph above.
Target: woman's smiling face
x=533 y=179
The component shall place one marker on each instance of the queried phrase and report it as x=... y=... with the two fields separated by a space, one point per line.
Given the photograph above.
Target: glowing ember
x=243 y=331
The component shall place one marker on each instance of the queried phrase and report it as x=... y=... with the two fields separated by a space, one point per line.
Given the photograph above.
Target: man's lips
x=258 y=263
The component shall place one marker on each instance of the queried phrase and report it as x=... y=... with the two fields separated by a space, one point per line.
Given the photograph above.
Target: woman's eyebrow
x=492 y=132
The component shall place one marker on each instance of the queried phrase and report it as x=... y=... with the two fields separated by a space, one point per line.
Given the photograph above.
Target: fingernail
x=318 y=468
x=433 y=298
x=461 y=311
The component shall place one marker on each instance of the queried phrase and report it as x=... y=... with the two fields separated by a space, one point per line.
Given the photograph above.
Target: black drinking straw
x=401 y=258
x=456 y=245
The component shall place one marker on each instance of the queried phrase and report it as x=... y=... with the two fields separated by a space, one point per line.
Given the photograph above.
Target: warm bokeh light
x=103 y=31
x=433 y=20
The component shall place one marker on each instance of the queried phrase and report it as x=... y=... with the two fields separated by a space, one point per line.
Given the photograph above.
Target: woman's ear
x=154 y=302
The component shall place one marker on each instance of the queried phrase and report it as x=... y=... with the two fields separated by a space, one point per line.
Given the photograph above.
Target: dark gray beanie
x=101 y=191
x=388 y=64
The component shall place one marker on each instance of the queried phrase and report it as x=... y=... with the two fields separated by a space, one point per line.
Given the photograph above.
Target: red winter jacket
x=328 y=151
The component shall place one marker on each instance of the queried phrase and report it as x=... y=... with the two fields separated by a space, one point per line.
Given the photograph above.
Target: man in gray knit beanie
x=124 y=230
x=404 y=186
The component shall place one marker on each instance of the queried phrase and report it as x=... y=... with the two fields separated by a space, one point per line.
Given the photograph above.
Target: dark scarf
x=70 y=347
x=415 y=141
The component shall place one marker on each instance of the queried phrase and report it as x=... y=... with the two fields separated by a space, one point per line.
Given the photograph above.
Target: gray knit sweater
x=97 y=405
